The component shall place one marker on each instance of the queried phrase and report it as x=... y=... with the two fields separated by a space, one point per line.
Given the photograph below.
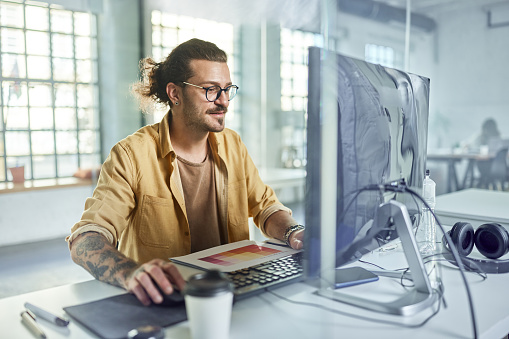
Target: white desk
x=279 y=178
x=473 y=205
x=266 y=316
x=452 y=159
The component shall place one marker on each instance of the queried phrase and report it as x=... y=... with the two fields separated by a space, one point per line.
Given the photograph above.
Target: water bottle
x=428 y=227
x=428 y=190
x=428 y=232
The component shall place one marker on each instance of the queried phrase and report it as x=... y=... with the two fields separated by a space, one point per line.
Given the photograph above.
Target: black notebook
x=114 y=317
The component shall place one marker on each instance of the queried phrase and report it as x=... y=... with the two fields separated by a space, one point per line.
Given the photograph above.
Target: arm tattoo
x=94 y=253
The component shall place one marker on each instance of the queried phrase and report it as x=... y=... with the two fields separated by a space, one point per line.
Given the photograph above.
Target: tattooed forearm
x=97 y=271
x=111 y=254
x=93 y=252
x=95 y=242
x=123 y=270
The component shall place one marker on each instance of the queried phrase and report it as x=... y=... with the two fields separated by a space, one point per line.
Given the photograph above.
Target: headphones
x=490 y=239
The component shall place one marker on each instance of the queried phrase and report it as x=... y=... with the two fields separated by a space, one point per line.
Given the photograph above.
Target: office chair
x=498 y=176
x=484 y=178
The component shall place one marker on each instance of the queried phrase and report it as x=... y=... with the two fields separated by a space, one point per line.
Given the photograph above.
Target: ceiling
x=438 y=6
x=424 y=12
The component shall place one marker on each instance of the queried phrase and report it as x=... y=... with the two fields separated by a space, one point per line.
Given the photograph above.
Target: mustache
x=218 y=108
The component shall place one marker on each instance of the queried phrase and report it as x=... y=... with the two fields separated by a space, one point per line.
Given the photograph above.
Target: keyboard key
x=253 y=279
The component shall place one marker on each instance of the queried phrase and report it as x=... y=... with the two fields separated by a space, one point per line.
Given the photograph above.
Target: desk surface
x=283 y=177
x=451 y=159
x=459 y=156
x=267 y=316
x=476 y=206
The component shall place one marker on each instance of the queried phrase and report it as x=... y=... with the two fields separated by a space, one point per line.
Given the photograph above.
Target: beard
x=196 y=120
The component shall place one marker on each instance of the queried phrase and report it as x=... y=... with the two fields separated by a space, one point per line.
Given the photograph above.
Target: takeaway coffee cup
x=209 y=300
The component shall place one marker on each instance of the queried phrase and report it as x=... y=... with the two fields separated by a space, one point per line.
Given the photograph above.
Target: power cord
x=455 y=255
x=400 y=186
x=387 y=322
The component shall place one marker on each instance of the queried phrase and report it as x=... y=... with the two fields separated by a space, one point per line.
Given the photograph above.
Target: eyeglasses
x=213 y=93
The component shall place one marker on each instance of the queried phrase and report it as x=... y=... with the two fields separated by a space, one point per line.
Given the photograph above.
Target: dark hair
x=175 y=68
x=489 y=130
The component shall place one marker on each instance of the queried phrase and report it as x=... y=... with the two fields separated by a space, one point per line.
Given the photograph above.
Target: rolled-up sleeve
x=266 y=213
x=90 y=228
x=263 y=201
x=113 y=200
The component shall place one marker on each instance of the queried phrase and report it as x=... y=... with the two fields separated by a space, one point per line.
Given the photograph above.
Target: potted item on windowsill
x=18 y=174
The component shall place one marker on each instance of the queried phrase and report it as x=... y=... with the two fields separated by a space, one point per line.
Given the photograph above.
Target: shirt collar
x=164 y=136
x=165 y=141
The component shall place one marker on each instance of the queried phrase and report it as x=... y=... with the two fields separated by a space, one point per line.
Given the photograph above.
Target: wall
x=466 y=62
x=40 y=214
x=119 y=53
x=471 y=79
x=250 y=90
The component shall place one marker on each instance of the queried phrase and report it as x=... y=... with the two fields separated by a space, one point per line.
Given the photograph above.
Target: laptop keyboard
x=255 y=279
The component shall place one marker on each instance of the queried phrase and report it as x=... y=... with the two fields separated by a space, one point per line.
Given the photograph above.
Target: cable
x=456 y=257
x=372 y=264
x=387 y=322
x=356 y=194
x=477 y=271
x=399 y=186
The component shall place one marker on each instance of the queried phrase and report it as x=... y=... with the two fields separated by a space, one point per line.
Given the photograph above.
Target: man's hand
x=276 y=226
x=297 y=240
x=94 y=253
x=157 y=271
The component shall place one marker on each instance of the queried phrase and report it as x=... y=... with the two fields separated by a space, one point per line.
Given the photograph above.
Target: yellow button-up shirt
x=139 y=205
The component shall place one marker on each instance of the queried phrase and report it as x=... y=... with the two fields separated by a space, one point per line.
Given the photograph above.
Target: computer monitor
x=367 y=124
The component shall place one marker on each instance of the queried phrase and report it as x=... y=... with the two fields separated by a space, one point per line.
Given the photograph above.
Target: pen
x=277 y=243
x=39 y=312
x=29 y=320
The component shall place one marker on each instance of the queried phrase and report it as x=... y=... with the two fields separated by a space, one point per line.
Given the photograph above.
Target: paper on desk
x=234 y=256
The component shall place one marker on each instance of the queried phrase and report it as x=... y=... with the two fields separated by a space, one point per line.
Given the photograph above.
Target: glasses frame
x=221 y=90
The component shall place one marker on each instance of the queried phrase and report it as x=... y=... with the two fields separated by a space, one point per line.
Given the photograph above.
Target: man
x=176 y=187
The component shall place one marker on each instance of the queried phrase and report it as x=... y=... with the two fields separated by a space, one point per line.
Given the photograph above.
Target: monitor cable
x=386 y=322
x=400 y=186
x=455 y=255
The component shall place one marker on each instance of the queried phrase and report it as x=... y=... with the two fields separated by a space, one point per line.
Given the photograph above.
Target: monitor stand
x=415 y=300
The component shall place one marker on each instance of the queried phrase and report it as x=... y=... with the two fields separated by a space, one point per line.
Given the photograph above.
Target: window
x=382 y=55
x=170 y=30
x=49 y=104
x=294 y=92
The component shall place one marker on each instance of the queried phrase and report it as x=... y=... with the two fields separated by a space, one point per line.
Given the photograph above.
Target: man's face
x=199 y=114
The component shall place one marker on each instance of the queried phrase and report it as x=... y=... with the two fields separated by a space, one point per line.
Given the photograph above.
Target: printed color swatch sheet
x=239 y=255
x=234 y=256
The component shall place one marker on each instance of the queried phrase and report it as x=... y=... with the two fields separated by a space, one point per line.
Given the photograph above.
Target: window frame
x=294 y=120
x=87 y=150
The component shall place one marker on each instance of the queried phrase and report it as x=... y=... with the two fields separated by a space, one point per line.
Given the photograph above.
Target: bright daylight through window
x=49 y=117
x=294 y=94
x=382 y=55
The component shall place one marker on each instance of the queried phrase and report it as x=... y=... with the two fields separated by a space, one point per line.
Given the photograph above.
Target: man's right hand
x=94 y=253
x=157 y=271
